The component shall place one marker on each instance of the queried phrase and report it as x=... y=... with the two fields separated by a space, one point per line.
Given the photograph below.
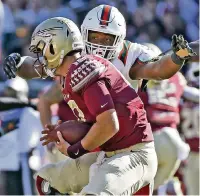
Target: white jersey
x=131 y=53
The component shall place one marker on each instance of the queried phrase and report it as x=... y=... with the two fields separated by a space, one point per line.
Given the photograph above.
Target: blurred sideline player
x=190 y=129
x=19 y=135
x=127 y=160
x=161 y=102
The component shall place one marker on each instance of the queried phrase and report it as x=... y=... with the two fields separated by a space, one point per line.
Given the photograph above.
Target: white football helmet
x=105 y=19
x=192 y=74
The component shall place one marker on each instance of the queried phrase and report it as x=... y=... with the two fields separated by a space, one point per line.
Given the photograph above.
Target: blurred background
x=152 y=21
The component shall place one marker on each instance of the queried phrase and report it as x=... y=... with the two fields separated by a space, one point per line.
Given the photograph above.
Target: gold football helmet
x=52 y=40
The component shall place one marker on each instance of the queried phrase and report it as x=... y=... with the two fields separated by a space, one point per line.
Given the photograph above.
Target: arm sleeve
x=97 y=98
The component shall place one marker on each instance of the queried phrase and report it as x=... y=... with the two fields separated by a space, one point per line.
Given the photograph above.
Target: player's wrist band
x=177 y=60
x=76 y=150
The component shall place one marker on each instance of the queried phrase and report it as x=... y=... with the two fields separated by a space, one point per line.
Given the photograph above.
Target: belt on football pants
x=136 y=147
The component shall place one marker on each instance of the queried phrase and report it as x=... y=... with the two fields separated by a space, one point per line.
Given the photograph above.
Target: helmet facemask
x=43 y=46
x=108 y=52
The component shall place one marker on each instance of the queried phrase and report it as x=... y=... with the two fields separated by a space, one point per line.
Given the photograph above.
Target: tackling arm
x=26 y=67
x=164 y=67
x=27 y=70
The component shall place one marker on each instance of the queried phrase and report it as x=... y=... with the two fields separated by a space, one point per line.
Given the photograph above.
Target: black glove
x=10 y=65
x=181 y=48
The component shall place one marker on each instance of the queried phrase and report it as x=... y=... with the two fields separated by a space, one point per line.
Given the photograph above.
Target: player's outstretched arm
x=51 y=96
x=167 y=65
x=24 y=67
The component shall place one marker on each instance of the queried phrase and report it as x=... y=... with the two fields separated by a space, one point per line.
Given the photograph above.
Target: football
x=72 y=131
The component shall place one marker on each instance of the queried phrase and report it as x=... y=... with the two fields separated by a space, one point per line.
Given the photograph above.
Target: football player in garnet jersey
x=190 y=129
x=98 y=93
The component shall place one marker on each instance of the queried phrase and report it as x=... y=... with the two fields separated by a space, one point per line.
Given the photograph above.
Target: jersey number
x=159 y=94
x=76 y=110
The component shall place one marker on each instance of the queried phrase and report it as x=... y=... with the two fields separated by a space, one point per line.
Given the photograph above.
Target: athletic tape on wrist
x=177 y=60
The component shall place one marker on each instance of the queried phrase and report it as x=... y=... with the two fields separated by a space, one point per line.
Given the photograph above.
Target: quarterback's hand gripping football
x=46 y=140
x=181 y=47
x=11 y=64
x=62 y=145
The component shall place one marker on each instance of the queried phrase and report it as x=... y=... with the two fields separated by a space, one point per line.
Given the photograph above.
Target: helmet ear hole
x=51 y=49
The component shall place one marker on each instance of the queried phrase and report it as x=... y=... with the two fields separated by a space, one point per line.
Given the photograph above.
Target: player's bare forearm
x=27 y=70
x=107 y=126
x=45 y=112
x=163 y=68
x=51 y=96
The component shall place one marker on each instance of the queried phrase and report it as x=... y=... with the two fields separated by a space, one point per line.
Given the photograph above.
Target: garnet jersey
x=92 y=86
x=64 y=112
x=190 y=124
x=131 y=53
x=162 y=101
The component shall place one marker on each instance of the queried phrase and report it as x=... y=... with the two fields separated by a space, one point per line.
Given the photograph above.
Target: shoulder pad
x=146 y=54
x=85 y=71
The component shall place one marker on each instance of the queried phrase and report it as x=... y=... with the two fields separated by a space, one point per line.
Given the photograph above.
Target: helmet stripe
x=105 y=15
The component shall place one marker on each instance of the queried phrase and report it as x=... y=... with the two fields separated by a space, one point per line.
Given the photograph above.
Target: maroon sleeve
x=97 y=98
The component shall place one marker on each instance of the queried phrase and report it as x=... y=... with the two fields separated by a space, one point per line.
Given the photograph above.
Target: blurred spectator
x=55 y=8
x=1 y=26
x=28 y=16
x=188 y=10
x=155 y=31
